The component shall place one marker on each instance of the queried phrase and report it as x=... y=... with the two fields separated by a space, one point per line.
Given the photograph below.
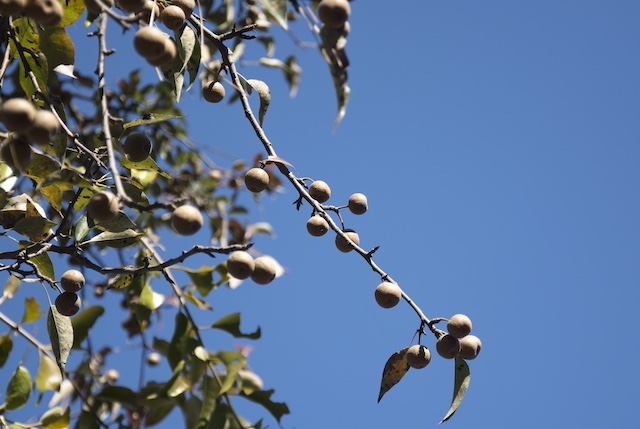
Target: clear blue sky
x=498 y=144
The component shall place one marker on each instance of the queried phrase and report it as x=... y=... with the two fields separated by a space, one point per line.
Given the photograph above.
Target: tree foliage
x=102 y=174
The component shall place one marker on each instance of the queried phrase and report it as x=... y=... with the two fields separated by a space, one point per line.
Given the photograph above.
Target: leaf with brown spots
x=395 y=368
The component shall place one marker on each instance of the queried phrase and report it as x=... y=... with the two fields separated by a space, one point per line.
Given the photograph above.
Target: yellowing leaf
x=56 y=418
x=395 y=368
x=462 y=379
x=48 y=377
x=31 y=310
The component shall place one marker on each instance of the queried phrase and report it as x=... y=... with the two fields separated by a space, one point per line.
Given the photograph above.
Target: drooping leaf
x=210 y=394
x=66 y=178
x=395 y=368
x=231 y=324
x=462 y=378
x=276 y=9
x=56 y=418
x=84 y=321
x=120 y=223
x=6 y=344
x=26 y=34
x=265 y=97
x=151 y=118
x=81 y=228
x=117 y=240
x=333 y=51
x=42 y=262
x=73 y=10
x=234 y=362
x=36 y=63
x=263 y=397
x=31 y=310
x=150 y=299
x=178 y=387
x=202 y=278
x=200 y=304
x=40 y=167
x=87 y=420
x=61 y=336
x=11 y=287
x=178 y=345
x=18 y=389
x=158 y=410
x=48 y=376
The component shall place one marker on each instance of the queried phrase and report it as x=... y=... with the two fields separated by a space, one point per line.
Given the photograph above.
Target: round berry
x=18 y=114
x=186 y=220
x=16 y=152
x=172 y=17
x=256 y=180
x=153 y=359
x=418 y=356
x=470 y=347
x=44 y=128
x=188 y=6
x=68 y=303
x=320 y=191
x=388 y=294
x=137 y=147
x=213 y=91
x=264 y=271
x=131 y=6
x=103 y=206
x=448 y=346
x=317 y=226
x=72 y=281
x=150 y=42
x=12 y=7
x=358 y=204
x=343 y=245
x=47 y=13
x=240 y=265
x=334 y=13
x=459 y=326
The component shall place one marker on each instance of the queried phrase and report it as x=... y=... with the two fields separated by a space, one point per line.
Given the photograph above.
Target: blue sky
x=498 y=145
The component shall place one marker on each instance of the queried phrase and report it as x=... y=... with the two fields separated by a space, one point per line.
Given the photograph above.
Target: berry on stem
x=334 y=13
x=256 y=180
x=418 y=356
x=264 y=271
x=459 y=326
x=103 y=206
x=137 y=147
x=388 y=294
x=72 y=281
x=240 y=265
x=358 y=204
x=448 y=346
x=186 y=220
x=320 y=191
x=213 y=91
x=317 y=226
x=343 y=245
x=68 y=303
x=470 y=347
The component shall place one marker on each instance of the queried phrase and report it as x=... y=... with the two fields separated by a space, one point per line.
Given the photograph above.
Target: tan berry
x=72 y=281
x=186 y=220
x=317 y=226
x=358 y=204
x=103 y=206
x=112 y=376
x=150 y=42
x=264 y=271
x=320 y=191
x=343 y=245
x=188 y=6
x=388 y=294
x=256 y=179
x=137 y=147
x=448 y=347
x=172 y=17
x=16 y=153
x=94 y=7
x=169 y=54
x=145 y=14
x=470 y=347
x=240 y=265
x=213 y=91
x=44 y=128
x=68 y=303
x=334 y=13
x=12 y=7
x=98 y=291
x=18 y=114
x=131 y=6
x=153 y=359
x=418 y=356
x=459 y=326
x=47 y=13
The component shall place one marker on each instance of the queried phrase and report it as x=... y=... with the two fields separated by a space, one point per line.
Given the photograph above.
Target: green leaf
x=210 y=393
x=120 y=223
x=234 y=362
x=276 y=9
x=117 y=240
x=57 y=46
x=53 y=195
x=150 y=299
x=42 y=262
x=200 y=304
x=202 y=278
x=265 y=97
x=158 y=410
x=461 y=382
x=178 y=387
x=190 y=411
x=56 y=418
x=118 y=394
x=66 y=179
x=40 y=167
x=6 y=344
x=34 y=228
x=26 y=34
x=81 y=228
x=263 y=397
x=49 y=376
x=87 y=420
x=151 y=118
x=395 y=368
x=178 y=345
x=11 y=287
x=73 y=10
x=31 y=310
x=147 y=165
x=120 y=281
x=61 y=336
x=37 y=63
x=231 y=324
x=18 y=390
x=84 y=321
